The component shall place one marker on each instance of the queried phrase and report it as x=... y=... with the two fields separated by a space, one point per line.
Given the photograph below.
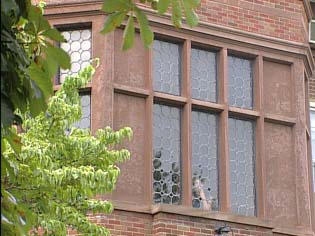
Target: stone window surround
x=257 y=113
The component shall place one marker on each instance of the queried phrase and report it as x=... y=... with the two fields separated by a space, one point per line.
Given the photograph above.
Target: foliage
x=47 y=175
x=119 y=10
x=57 y=173
x=28 y=59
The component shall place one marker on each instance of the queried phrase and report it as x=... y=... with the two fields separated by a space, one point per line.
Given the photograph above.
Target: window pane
x=242 y=166
x=240 y=82
x=204 y=75
x=78 y=46
x=204 y=160
x=85 y=121
x=166 y=67
x=166 y=151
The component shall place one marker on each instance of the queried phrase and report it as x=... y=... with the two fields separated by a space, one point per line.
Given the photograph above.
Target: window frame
x=221 y=108
x=223 y=45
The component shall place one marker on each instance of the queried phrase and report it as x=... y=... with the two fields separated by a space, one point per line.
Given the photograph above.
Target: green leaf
x=7 y=115
x=54 y=34
x=176 y=14
x=145 y=31
x=14 y=140
x=58 y=55
x=6 y=169
x=191 y=16
x=37 y=105
x=36 y=17
x=41 y=79
x=50 y=66
x=110 y=6
x=129 y=34
x=113 y=21
x=193 y=3
x=163 y=6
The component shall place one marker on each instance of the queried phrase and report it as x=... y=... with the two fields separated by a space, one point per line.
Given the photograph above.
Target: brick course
x=276 y=18
x=123 y=223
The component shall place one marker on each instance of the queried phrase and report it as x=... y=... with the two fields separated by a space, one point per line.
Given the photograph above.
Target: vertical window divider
x=186 y=127
x=260 y=145
x=149 y=127
x=224 y=176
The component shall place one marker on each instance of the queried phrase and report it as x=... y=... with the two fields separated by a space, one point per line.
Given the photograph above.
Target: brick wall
x=123 y=223
x=284 y=19
x=276 y=18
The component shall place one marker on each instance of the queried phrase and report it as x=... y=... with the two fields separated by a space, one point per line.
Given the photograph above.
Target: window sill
x=189 y=211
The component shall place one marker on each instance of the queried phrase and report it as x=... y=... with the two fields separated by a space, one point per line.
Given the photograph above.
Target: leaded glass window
x=166 y=67
x=203 y=75
x=240 y=81
x=85 y=121
x=242 y=166
x=204 y=160
x=166 y=151
x=78 y=46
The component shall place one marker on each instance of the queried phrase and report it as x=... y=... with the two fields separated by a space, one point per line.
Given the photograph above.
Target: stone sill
x=220 y=216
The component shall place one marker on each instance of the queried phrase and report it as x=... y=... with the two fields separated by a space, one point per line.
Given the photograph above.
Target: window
x=205 y=179
x=79 y=46
x=167 y=69
x=167 y=156
x=203 y=75
x=242 y=166
x=187 y=112
x=240 y=83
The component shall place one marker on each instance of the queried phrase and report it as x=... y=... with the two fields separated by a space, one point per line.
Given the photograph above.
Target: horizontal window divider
x=243 y=113
x=87 y=88
x=128 y=90
x=278 y=119
x=204 y=105
x=169 y=98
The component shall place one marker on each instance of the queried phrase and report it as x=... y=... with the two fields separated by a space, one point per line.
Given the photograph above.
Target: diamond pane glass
x=204 y=161
x=240 y=82
x=242 y=166
x=85 y=121
x=166 y=67
x=166 y=151
x=78 y=46
x=204 y=75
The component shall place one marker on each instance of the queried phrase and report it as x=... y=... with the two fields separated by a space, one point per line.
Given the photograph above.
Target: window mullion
x=186 y=126
x=149 y=125
x=223 y=132
x=260 y=145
